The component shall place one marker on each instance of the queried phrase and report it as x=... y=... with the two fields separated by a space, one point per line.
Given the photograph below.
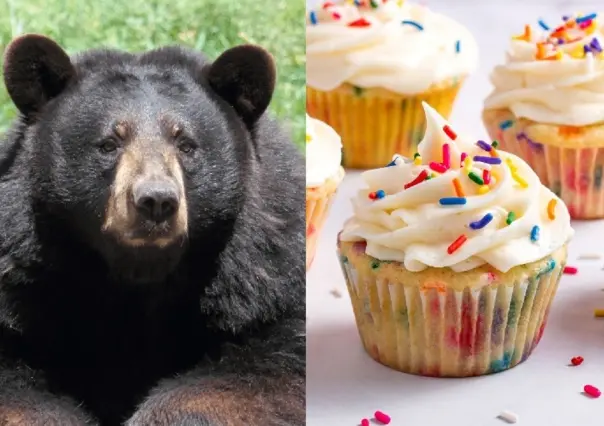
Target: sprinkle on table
x=484 y=221
x=487 y=160
x=382 y=417
x=551 y=208
x=413 y=24
x=449 y=132
x=453 y=201
x=511 y=218
x=475 y=178
x=535 y=234
x=570 y=270
x=458 y=188
x=418 y=179
x=592 y=391
x=484 y=145
x=576 y=360
x=457 y=244
x=506 y=124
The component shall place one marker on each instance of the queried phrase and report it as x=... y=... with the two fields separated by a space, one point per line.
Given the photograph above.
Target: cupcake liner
x=568 y=160
x=318 y=201
x=448 y=331
x=376 y=123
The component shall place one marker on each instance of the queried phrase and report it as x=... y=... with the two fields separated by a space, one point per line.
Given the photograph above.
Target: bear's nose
x=156 y=201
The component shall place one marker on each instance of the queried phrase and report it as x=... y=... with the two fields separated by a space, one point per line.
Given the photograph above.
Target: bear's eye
x=108 y=145
x=186 y=146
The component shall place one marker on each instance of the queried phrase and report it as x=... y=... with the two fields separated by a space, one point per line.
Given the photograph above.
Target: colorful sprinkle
x=413 y=24
x=464 y=155
x=535 y=234
x=599 y=313
x=551 y=209
x=467 y=165
x=336 y=16
x=543 y=25
x=506 y=124
x=447 y=155
x=380 y=194
x=483 y=189
x=417 y=160
x=457 y=244
x=458 y=188
x=577 y=360
x=511 y=217
x=452 y=201
x=359 y=23
x=313 y=17
x=365 y=422
x=374 y=4
x=586 y=18
x=486 y=177
x=437 y=167
x=487 y=160
x=475 y=178
x=418 y=179
x=484 y=145
x=479 y=224
x=570 y=270
x=458 y=46
x=416 y=155
x=592 y=391
x=494 y=153
x=382 y=417
x=372 y=196
x=495 y=144
x=449 y=132
x=527 y=34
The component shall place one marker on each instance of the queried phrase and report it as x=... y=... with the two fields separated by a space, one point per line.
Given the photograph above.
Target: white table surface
x=345 y=385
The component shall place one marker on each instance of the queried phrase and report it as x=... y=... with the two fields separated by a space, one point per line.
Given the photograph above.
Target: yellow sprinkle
x=467 y=165
x=483 y=189
x=417 y=161
x=511 y=165
x=555 y=57
x=308 y=138
x=520 y=180
x=578 y=52
x=551 y=208
x=599 y=313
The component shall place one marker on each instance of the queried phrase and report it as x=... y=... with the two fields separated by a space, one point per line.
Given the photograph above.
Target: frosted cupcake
x=547 y=107
x=323 y=175
x=452 y=264
x=370 y=66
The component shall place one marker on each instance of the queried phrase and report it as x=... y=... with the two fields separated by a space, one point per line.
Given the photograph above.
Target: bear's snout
x=156 y=200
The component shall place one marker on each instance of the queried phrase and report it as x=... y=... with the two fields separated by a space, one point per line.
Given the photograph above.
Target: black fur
x=219 y=339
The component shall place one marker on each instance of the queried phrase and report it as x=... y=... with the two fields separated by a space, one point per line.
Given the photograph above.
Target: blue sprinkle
x=484 y=145
x=379 y=194
x=565 y=18
x=394 y=161
x=506 y=124
x=551 y=264
x=357 y=2
x=458 y=46
x=543 y=25
x=487 y=160
x=452 y=201
x=479 y=224
x=535 y=233
x=413 y=23
x=586 y=18
x=313 y=17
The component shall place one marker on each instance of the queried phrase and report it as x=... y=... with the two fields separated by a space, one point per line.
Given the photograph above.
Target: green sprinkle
x=415 y=155
x=375 y=264
x=495 y=144
x=428 y=177
x=344 y=259
x=511 y=218
x=358 y=91
x=475 y=178
x=374 y=4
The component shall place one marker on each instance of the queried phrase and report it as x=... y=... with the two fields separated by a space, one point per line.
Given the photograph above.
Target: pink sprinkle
x=381 y=417
x=365 y=422
x=447 y=155
x=463 y=156
x=589 y=390
x=437 y=167
x=570 y=270
x=486 y=177
x=336 y=16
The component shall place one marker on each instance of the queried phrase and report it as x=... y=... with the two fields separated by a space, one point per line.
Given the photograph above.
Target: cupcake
x=452 y=259
x=370 y=64
x=323 y=175
x=547 y=107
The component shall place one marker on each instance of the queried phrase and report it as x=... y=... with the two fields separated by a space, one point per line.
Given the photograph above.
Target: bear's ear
x=36 y=69
x=244 y=76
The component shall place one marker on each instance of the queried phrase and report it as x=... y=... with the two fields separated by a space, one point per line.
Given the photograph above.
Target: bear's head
x=135 y=154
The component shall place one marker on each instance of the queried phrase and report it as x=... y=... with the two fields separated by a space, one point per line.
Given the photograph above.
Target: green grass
x=208 y=25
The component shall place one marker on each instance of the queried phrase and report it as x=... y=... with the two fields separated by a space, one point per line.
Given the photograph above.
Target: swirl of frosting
x=554 y=77
x=323 y=152
x=404 y=48
x=489 y=209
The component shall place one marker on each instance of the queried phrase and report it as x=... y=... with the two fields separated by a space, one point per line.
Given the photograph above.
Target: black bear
x=151 y=241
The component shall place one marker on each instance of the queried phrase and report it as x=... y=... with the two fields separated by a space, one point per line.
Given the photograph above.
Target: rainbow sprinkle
x=495 y=144
x=457 y=244
x=511 y=217
x=486 y=177
x=453 y=201
x=475 y=178
x=458 y=46
x=535 y=234
x=418 y=179
x=413 y=24
x=479 y=224
x=312 y=16
x=437 y=167
x=506 y=124
x=485 y=146
x=551 y=208
x=487 y=160
x=458 y=188
x=449 y=132
x=360 y=23
x=543 y=25
x=483 y=189
x=446 y=155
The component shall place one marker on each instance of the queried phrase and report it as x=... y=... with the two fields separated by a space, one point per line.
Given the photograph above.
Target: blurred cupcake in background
x=371 y=63
x=547 y=107
x=323 y=175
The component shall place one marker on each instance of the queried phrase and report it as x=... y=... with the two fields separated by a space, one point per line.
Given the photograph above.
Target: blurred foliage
x=207 y=25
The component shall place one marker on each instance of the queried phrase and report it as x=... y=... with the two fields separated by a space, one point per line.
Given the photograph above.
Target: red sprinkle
x=336 y=16
x=486 y=177
x=457 y=244
x=447 y=155
x=327 y=4
x=437 y=167
x=449 y=132
x=419 y=179
x=381 y=417
x=365 y=422
x=372 y=195
x=577 y=360
x=463 y=156
x=570 y=270
x=591 y=391
x=362 y=22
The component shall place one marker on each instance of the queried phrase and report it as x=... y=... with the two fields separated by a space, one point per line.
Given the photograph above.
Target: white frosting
x=387 y=54
x=323 y=152
x=569 y=91
x=412 y=227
